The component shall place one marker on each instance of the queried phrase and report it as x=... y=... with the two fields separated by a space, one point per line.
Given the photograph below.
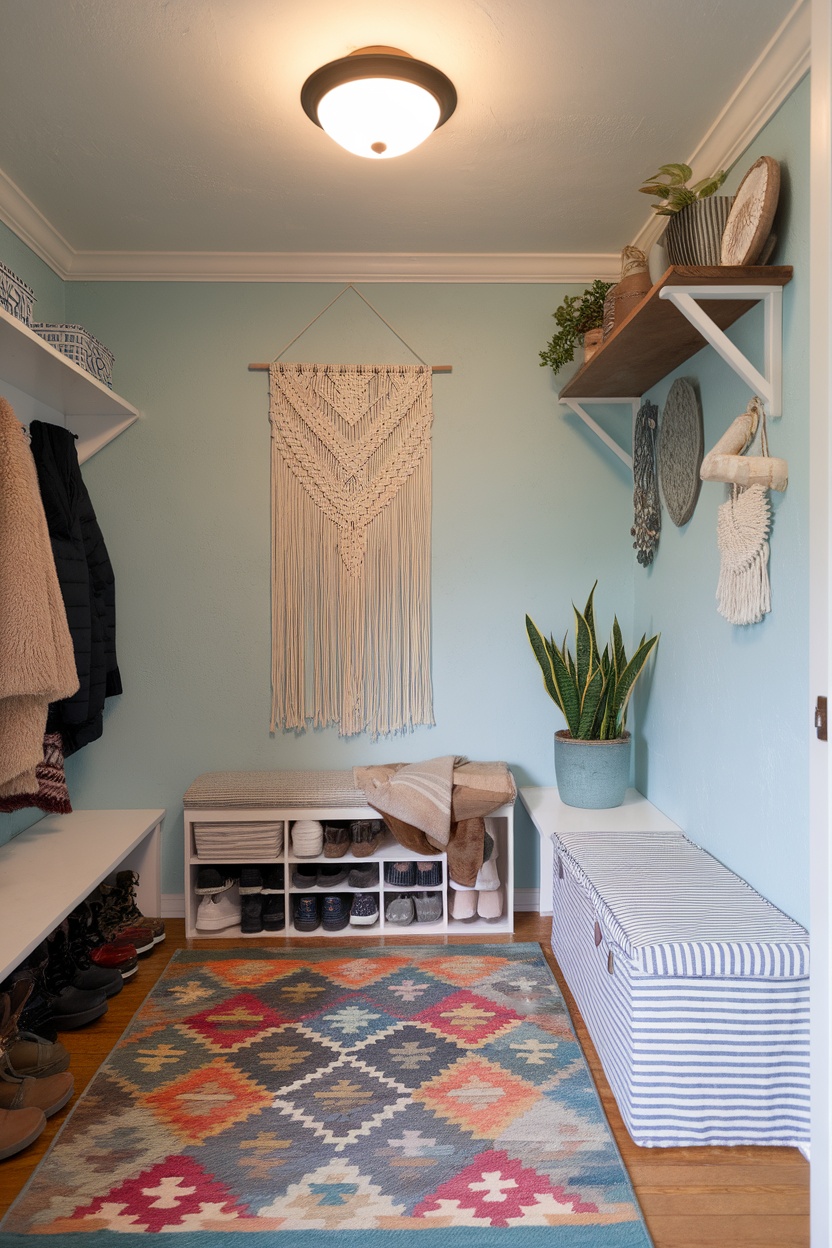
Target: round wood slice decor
x=681 y=448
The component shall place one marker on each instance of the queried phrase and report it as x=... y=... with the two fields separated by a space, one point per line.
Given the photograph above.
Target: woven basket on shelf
x=15 y=296
x=78 y=345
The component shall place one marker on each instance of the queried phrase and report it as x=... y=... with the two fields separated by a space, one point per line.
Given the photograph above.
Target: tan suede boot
x=18 y=1129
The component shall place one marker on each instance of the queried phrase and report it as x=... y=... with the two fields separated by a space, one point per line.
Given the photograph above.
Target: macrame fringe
x=351 y=499
x=743 y=523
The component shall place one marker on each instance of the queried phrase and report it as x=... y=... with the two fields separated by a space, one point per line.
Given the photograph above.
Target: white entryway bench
x=694 y=988
x=52 y=866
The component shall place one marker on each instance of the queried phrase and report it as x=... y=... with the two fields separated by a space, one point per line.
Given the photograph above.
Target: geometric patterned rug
x=339 y=1097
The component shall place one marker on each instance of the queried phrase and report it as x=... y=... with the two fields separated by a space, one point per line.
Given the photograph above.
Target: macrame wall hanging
x=744 y=521
x=351 y=523
x=647 y=521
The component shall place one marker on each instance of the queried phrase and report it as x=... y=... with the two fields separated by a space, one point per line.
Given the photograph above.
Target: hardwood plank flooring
x=742 y=1197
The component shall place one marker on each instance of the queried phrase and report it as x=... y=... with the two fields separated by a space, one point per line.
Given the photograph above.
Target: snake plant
x=593 y=688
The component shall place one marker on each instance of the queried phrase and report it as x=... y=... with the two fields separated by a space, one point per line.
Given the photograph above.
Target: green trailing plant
x=670 y=186
x=593 y=687
x=575 y=316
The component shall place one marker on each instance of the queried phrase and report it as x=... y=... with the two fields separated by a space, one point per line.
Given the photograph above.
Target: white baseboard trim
x=173 y=905
x=527 y=899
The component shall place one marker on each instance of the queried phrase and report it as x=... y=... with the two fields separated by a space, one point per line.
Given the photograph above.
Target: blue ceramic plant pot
x=592 y=774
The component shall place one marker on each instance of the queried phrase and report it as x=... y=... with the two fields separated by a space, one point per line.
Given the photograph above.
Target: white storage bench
x=253 y=798
x=694 y=988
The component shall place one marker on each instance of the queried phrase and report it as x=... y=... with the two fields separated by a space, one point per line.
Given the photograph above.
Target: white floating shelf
x=59 y=391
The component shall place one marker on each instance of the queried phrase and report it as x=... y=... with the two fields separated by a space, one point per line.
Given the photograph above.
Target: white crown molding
x=30 y=225
x=773 y=76
x=231 y=266
x=778 y=69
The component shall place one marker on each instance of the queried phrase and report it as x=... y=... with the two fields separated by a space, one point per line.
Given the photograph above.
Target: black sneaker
x=306 y=912
x=251 y=880
x=251 y=919
x=211 y=880
x=336 y=912
x=273 y=879
x=274 y=914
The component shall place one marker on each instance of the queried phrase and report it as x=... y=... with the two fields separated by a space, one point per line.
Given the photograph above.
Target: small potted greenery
x=697 y=214
x=577 y=317
x=592 y=689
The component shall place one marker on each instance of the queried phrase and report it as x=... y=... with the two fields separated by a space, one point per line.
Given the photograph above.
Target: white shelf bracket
x=577 y=408
x=768 y=385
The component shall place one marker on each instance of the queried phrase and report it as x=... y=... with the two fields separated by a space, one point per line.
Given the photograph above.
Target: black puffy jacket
x=87 y=584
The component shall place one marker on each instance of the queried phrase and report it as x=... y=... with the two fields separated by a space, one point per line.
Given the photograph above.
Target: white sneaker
x=219 y=910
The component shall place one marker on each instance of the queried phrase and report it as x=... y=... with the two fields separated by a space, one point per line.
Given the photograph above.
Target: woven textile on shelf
x=351 y=497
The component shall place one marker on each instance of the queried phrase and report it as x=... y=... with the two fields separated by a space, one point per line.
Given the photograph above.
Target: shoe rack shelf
x=500 y=826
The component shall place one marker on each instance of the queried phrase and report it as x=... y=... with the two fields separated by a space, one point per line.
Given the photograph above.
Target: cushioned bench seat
x=265 y=790
x=694 y=988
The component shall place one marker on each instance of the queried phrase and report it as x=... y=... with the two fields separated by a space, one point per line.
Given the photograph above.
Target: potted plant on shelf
x=577 y=317
x=592 y=689
x=697 y=214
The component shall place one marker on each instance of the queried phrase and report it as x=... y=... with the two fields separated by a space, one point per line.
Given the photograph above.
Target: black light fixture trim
x=369 y=63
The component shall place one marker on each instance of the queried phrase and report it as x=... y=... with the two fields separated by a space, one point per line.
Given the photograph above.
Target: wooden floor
x=691 y=1197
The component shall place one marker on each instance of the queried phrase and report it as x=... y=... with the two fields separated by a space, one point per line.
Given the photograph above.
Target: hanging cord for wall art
x=437 y=368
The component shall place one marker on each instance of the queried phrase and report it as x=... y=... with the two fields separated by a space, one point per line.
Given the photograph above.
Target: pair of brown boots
x=34 y=1080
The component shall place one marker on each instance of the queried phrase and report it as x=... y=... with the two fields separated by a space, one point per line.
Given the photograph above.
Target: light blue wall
x=723 y=738
x=527 y=511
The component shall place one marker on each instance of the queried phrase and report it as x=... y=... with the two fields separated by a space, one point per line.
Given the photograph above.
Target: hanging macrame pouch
x=742 y=530
x=351 y=504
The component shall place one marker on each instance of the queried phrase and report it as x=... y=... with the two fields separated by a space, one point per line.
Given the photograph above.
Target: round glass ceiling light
x=378 y=102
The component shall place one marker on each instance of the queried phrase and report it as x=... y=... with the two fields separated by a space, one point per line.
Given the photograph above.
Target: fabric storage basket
x=694 y=988
x=229 y=841
x=79 y=345
x=15 y=296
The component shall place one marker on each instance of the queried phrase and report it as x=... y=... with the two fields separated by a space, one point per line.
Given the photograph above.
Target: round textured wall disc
x=681 y=447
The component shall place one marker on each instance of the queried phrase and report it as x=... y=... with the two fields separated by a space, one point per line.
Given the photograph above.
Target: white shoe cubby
x=499 y=825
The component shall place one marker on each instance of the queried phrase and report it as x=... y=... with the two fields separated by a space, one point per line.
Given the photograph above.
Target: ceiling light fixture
x=378 y=102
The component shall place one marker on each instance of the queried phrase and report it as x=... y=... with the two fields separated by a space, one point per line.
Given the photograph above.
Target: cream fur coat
x=37 y=662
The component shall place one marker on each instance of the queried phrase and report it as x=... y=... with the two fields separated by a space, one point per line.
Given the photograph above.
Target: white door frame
x=820 y=572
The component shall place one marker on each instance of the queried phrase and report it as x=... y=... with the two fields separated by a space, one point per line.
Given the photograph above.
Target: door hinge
x=820 y=718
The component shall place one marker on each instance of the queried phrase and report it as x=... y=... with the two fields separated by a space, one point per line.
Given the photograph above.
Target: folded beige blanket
x=439 y=804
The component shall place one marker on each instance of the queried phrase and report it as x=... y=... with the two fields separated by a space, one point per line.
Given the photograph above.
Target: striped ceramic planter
x=694 y=235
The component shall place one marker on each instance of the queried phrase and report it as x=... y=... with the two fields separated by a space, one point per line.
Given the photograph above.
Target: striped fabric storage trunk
x=694 y=988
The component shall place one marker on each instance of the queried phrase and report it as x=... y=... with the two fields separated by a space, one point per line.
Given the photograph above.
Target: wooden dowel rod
x=435 y=368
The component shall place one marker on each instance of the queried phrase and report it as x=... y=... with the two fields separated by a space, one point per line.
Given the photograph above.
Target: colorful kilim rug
x=333 y=1097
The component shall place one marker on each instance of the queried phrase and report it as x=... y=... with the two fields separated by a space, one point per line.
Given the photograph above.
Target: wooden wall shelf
x=657 y=336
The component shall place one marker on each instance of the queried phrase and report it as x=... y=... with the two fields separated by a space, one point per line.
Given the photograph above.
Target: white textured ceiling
x=175 y=125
